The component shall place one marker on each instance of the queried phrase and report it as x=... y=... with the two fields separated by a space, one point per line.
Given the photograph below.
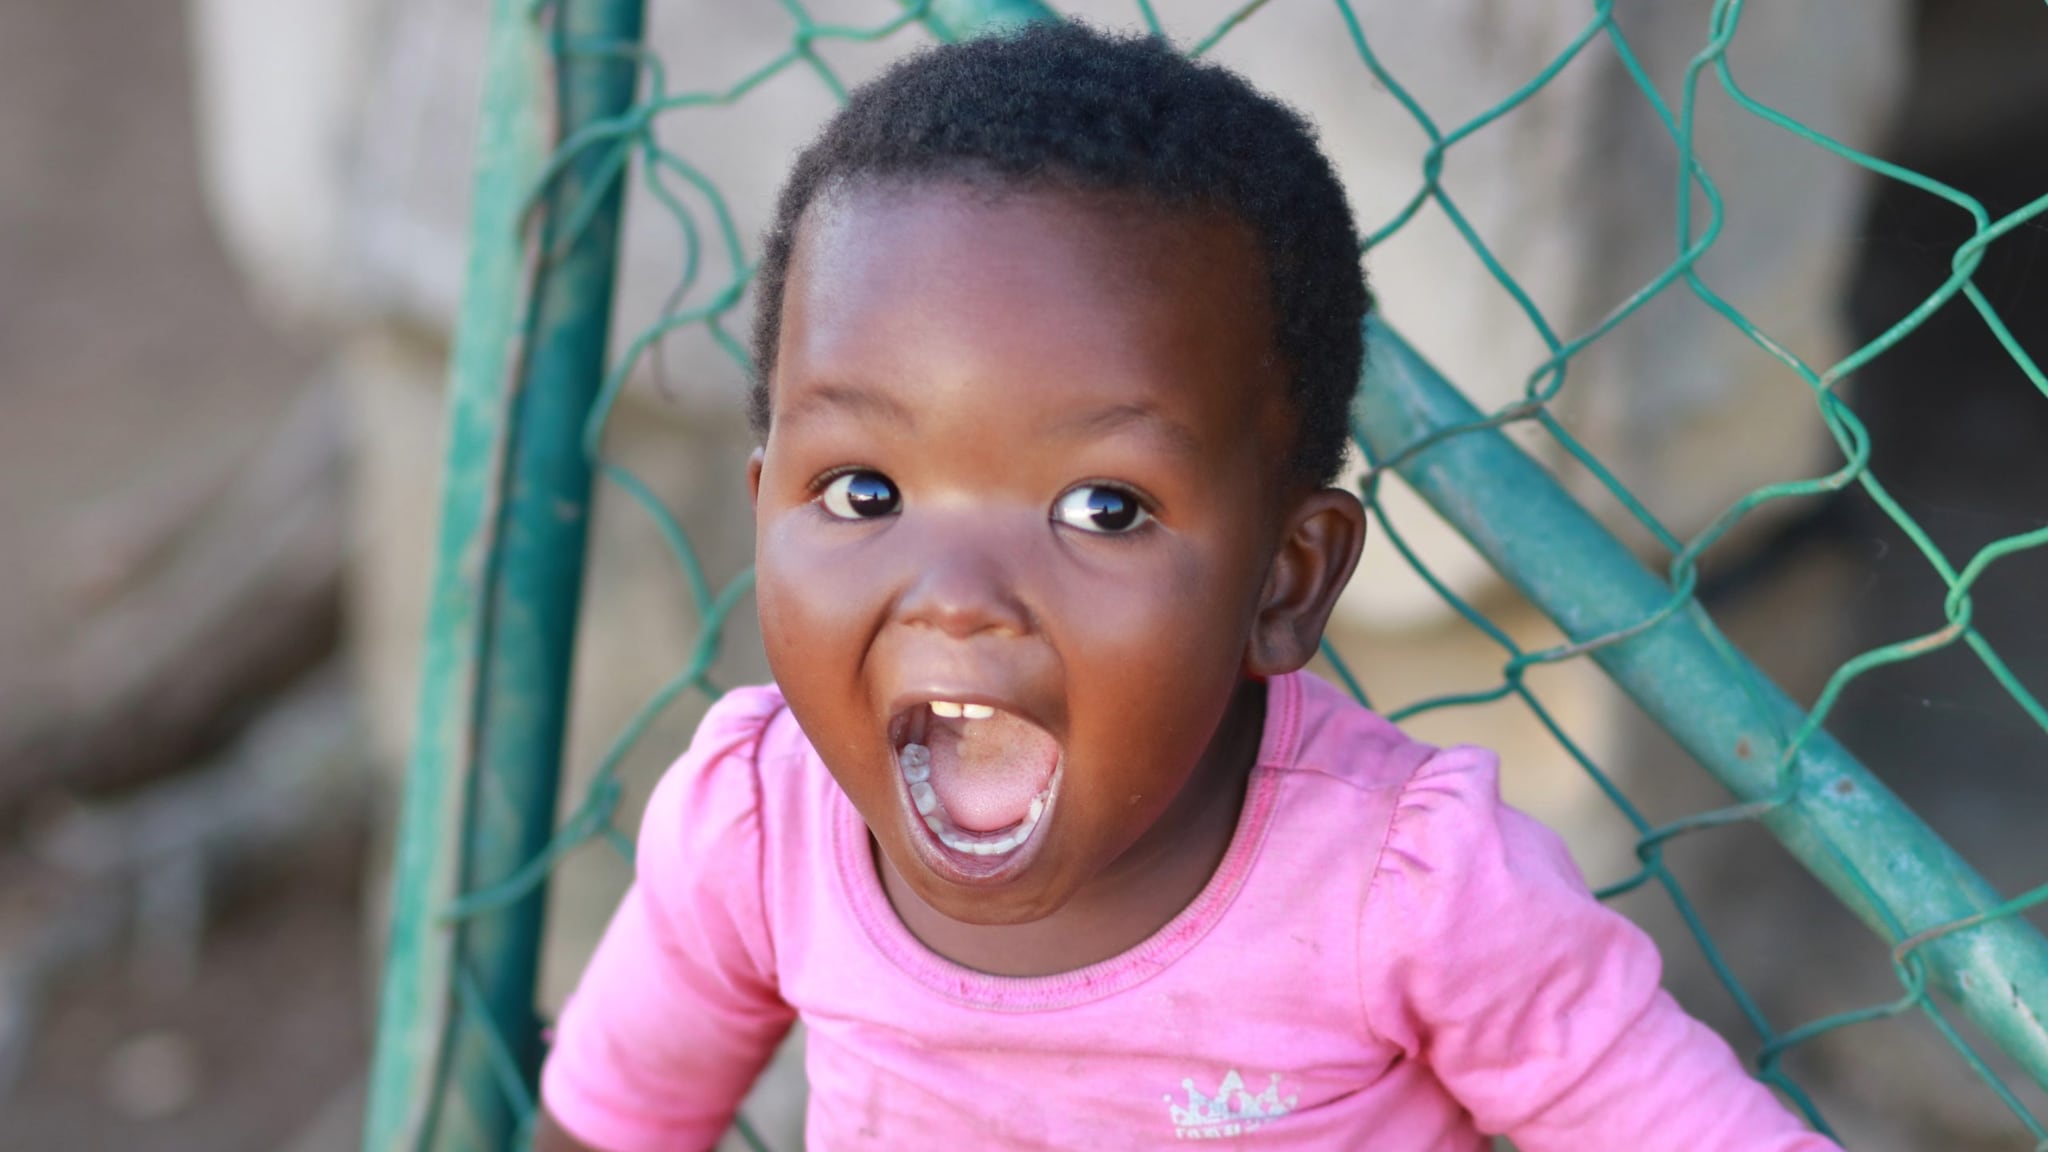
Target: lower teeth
x=916 y=763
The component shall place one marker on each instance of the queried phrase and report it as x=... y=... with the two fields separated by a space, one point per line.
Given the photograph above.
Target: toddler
x=1042 y=831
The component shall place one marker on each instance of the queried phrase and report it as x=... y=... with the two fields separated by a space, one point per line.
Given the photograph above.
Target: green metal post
x=458 y=1046
x=1842 y=823
x=951 y=20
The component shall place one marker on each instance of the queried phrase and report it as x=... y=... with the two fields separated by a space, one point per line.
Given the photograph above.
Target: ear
x=1324 y=535
x=754 y=462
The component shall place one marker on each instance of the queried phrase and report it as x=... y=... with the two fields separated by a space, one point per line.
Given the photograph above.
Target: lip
x=905 y=706
x=909 y=715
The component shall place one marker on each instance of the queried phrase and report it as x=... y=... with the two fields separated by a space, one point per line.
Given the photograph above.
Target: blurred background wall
x=230 y=247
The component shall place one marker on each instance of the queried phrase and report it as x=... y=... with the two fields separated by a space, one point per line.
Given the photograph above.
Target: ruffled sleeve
x=679 y=1009
x=1485 y=957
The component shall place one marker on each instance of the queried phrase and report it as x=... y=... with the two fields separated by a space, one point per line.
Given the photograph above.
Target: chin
x=984 y=908
x=971 y=891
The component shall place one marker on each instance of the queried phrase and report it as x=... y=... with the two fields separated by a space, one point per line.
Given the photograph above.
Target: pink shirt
x=1387 y=958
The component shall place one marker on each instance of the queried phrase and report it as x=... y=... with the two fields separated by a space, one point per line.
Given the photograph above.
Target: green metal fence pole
x=951 y=20
x=1848 y=828
x=457 y=1043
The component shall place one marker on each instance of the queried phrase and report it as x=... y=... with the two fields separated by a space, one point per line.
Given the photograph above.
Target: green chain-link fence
x=572 y=104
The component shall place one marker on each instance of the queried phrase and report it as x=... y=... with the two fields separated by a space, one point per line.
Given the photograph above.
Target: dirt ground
x=130 y=358
x=270 y=1034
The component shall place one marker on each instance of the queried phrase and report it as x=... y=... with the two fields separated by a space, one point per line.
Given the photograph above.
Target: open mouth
x=980 y=779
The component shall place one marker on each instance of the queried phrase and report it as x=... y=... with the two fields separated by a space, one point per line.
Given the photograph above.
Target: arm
x=678 y=1009
x=1540 y=1009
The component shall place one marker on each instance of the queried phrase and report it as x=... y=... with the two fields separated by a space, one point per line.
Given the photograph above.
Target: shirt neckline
x=861 y=888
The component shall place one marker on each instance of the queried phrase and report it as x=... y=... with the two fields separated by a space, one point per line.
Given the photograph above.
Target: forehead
x=1063 y=296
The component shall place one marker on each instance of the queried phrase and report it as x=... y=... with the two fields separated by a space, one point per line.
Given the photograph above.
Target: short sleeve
x=1540 y=1009
x=679 y=1010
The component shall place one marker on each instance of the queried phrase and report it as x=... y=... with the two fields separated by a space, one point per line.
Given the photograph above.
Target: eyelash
x=1148 y=509
x=824 y=479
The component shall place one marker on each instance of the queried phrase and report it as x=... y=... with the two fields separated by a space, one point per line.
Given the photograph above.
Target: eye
x=1100 y=508
x=860 y=496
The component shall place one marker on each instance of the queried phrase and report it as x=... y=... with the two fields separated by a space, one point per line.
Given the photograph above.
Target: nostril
x=962 y=621
x=959 y=609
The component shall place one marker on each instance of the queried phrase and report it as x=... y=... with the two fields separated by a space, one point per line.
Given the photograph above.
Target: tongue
x=986 y=772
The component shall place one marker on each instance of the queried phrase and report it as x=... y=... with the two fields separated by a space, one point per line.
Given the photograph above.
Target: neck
x=1145 y=888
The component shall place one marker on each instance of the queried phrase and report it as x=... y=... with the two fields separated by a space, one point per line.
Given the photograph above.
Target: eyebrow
x=851 y=398
x=1118 y=417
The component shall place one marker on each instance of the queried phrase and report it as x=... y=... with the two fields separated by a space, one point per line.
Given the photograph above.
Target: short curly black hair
x=1058 y=103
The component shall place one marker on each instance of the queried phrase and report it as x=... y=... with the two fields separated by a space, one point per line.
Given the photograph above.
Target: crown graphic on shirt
x=1232 y=1109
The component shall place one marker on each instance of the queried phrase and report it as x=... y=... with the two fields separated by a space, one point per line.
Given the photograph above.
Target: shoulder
x=707 y=805
x=737 y=723
x=1450 y=824
x=1316 y=728
x=1442 y=841
x=749 y=799
x=1464 y=881
x=1442 y=797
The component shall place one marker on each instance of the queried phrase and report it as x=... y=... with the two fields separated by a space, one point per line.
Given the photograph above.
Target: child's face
x=1027 y=456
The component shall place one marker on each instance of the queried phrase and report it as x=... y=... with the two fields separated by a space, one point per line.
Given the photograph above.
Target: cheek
x=811 y=595
x=814 y=627
x=1152 y=654
x=1181 y=610
x=807 y=584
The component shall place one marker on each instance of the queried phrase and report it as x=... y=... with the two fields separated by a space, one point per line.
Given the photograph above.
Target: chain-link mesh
x=707 y=301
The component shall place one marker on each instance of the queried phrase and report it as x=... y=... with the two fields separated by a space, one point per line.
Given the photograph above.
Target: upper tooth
x=977 y=711
x=946 y=708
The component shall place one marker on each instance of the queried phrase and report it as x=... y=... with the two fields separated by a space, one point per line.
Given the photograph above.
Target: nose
x=964 y=582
